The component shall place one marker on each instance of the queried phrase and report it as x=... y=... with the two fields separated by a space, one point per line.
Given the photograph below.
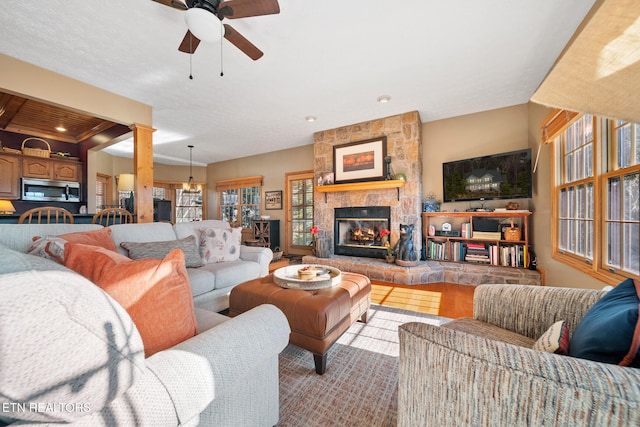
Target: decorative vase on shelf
x=390 y=259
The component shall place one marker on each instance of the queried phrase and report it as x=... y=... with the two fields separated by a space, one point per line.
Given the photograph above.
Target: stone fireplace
x=404 y=147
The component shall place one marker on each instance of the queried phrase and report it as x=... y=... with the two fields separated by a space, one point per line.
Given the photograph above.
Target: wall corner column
x=143 y=169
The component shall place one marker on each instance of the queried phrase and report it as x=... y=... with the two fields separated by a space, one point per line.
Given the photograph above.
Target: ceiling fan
x=204 y=16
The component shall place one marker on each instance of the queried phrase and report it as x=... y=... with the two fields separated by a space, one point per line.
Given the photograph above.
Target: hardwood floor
x=440 y=299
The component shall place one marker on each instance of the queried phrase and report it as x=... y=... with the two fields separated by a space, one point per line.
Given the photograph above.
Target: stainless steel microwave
x=50 y=190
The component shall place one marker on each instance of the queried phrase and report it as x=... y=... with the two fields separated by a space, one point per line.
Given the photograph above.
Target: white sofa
x=71 y=354
x=210 y=284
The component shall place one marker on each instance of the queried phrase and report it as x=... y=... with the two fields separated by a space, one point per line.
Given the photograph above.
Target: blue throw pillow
x=606 y=332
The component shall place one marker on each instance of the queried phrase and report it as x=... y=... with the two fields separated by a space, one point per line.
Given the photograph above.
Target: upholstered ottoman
x=317 y=318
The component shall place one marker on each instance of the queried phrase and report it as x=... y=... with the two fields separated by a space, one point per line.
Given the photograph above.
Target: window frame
x=604 y=154
x=238 y=184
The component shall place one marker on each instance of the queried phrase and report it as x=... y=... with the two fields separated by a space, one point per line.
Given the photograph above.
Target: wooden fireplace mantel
x=362 y=186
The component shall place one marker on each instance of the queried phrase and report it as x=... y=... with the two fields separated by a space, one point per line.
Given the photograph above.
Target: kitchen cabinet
x=35 y=167
x=9 y=177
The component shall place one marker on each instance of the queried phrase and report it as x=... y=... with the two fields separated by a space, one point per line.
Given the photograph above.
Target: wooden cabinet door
x=9 y=177
x=66 y=171
x=35 y=167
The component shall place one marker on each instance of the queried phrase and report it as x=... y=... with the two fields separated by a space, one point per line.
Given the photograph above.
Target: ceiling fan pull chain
x=222 y=31
x=190 y=57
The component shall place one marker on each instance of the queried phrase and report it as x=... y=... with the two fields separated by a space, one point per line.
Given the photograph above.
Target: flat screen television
x=498 y=176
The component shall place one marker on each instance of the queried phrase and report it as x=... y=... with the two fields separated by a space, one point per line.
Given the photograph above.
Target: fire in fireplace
x=357 y=231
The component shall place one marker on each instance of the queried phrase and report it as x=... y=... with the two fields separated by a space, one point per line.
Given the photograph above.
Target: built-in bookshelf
x=499 y=238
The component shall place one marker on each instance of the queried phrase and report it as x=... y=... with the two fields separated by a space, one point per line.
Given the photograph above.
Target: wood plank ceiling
x=30 y=117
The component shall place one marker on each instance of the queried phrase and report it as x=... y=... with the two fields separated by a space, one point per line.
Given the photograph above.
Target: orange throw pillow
x=155 y=292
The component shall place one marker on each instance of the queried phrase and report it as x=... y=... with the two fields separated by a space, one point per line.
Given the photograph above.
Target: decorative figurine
x=406 y=251
x=389 y=176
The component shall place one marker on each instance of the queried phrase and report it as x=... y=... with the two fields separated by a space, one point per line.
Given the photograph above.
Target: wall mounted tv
x=499 y=176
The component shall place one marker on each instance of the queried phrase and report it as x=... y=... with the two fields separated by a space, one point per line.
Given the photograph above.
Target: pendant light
x=191 y=187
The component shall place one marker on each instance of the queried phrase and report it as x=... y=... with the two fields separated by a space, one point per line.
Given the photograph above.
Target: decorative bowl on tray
x=307 y=276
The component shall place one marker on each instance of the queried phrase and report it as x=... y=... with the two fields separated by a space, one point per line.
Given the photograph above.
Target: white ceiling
x=330 y=59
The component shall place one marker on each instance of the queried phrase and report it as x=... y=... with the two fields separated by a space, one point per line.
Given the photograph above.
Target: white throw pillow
x=220 y=244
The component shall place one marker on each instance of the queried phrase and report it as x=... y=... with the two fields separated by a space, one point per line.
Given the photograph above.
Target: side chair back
x=110 y=216
x=46 y=215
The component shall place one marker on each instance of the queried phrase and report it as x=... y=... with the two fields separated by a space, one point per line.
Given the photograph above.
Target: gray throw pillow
x=140 y=250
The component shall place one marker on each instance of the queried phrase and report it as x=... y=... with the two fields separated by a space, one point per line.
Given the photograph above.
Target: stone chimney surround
x=404 y=146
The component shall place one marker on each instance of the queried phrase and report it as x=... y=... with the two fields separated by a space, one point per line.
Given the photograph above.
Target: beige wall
x=115 y=165
x=271 y=166
x=471 y=135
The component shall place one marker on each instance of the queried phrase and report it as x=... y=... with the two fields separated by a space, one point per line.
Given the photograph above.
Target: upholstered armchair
x=483 y=371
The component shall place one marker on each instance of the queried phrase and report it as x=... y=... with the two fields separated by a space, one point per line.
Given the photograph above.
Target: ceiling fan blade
x=176 y=4
x=189 y=43
x=241 y=43
x=233 y=9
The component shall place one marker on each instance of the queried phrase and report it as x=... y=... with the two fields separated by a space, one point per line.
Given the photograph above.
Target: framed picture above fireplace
x=360 y=161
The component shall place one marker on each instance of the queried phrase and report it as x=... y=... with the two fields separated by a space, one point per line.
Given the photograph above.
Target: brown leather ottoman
x=317 y=318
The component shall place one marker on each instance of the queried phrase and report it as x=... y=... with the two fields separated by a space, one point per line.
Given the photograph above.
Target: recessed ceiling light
x=310 y=118
x=384 y=98
x=61 y=129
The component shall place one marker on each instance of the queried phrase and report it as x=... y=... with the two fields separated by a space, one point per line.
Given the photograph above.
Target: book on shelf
x=483 y=259
x=488 y=235
x=437 y=250
x=513 y=256
x=479 y=246
x=465 y=230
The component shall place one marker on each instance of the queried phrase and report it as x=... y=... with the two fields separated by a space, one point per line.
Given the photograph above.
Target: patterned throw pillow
x=140 y=250
x=41 y=245
x=220 y=244
x=555 y=339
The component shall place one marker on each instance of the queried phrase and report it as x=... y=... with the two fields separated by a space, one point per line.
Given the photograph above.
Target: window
x=622 y=232
x=300 y=215
x=159 y=193
x=240 y=200
x=597 y=195
x=171 y=203
x=103 y=191
x=188 y=206
x=576 y=188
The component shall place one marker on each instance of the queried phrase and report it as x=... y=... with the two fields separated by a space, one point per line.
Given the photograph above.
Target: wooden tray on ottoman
x=317 y=318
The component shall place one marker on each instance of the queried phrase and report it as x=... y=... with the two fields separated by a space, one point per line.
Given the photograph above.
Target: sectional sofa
x=210 y=283
x=71 y=354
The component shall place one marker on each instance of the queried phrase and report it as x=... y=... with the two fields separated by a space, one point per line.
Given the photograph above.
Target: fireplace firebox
x=357 y=231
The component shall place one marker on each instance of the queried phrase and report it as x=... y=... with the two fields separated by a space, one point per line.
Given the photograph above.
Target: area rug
x=359 y=387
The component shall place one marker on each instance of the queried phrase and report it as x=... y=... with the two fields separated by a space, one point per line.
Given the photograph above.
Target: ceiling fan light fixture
x=203 y=24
